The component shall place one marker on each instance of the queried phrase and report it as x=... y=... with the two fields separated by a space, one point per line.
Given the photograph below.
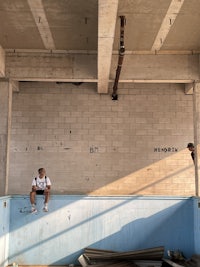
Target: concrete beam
x=15 y=86
x=41 y=21
x=114 y=52
x=158 y=67
x=167 y=23
x=106 y=30
x=189 y=88
x=51 y=67
x=82 y=68
x=2 y=62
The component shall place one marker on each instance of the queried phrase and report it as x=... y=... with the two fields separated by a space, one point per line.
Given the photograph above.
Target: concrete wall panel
x=4 y=230
x=117 y=223
x=90 y=144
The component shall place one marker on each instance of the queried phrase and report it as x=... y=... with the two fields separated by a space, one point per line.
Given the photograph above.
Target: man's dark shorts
x=40 y=192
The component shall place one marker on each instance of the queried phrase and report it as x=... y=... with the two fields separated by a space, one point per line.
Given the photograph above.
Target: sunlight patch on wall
x=172 y=175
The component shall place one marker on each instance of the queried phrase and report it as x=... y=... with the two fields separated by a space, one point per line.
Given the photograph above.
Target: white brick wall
x=90 y=144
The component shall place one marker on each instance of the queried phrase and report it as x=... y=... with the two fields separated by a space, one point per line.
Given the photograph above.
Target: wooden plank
x=151 y=253
x=116 y=264
x=19 y=265
x=147 y=263
x=98 y=251
x=171 y=263
x=83 y=260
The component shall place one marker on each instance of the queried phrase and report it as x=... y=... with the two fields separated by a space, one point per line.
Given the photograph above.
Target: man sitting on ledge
x=41 y=185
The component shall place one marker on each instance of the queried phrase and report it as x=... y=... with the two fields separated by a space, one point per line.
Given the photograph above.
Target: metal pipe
x=121 y=57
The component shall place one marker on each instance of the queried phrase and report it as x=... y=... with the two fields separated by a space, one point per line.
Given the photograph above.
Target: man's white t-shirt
x=41 y=183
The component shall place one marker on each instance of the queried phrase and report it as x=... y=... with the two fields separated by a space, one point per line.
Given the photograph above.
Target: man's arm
x=48 y=185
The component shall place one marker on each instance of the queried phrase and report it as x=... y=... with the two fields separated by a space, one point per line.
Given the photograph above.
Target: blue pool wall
x=120 y=223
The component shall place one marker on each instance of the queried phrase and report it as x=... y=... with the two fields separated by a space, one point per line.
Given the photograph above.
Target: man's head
x=190 y=146
x=41 y=172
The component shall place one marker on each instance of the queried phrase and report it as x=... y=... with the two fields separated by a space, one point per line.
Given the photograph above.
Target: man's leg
x=46 y=194
x=32 y=200
x=32 y=197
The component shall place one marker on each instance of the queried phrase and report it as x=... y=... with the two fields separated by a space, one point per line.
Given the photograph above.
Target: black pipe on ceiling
x=121 y=57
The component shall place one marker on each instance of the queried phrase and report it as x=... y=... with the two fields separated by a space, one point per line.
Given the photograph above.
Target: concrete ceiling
x=92 y=27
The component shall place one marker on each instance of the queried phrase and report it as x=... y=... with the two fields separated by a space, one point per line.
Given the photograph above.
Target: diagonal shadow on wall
x=101 y=223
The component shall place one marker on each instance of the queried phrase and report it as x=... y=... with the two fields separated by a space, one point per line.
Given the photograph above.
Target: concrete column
x=107 y=15
x=5 y=129
x=196 y=98
x=2 y=62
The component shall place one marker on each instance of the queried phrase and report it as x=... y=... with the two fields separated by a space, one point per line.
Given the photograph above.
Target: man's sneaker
x=45 y=209
x=33 y=210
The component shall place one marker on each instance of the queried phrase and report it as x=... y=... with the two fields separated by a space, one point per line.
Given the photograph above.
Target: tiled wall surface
x=90 y=144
